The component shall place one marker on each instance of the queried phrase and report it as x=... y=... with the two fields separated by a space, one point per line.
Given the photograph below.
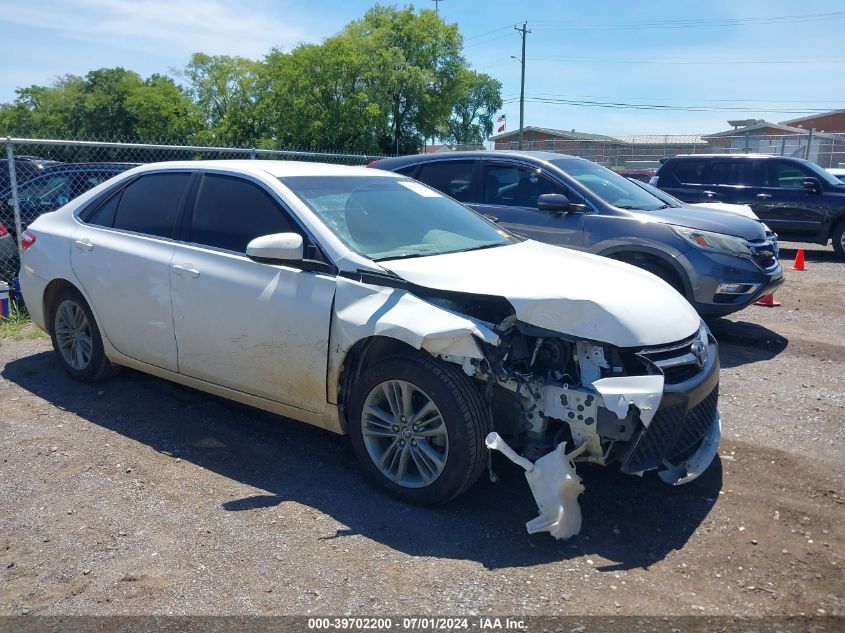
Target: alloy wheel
x=73 y=335
x=404 y=433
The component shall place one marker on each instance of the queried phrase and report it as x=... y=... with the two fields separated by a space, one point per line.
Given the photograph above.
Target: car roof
x=737 y=156
x=473 y=154
x=275 y=168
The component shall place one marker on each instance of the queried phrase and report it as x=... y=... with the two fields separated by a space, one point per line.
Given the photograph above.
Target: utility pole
x=523 y=31
x=437 y=6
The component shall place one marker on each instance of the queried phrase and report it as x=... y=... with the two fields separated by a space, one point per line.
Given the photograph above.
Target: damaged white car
x=366 y=303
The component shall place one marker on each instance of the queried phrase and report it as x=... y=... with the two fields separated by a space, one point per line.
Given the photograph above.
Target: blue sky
x=726 y=53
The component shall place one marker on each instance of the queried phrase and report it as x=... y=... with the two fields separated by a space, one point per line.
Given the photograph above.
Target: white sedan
x=366 y=303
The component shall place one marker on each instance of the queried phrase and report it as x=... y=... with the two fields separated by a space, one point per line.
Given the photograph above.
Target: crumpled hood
x=578 y=294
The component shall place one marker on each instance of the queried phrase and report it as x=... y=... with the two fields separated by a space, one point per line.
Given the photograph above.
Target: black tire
x=838 y=238
x=462 y=410
x=98 y=367
x=663 y=272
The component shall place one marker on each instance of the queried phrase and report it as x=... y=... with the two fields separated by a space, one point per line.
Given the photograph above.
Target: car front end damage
x=609 y=365
x=651 y=408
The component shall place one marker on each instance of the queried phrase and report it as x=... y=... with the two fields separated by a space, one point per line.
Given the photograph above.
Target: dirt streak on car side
x=422 y=324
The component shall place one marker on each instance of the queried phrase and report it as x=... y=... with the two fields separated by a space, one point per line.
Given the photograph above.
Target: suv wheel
x=838 y=238
x=418 y=427
x=76 y=339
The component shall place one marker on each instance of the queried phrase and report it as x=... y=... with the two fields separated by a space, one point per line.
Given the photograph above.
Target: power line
x=662 y=107
x=605 y=60
x=690 y=23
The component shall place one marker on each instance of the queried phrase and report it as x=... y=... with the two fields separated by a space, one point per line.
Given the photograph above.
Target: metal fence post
x=810 y=143
x=13 y=182
x=252 y=154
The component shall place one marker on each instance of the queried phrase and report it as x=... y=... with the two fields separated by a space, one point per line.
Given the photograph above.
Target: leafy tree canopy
x=385 y=83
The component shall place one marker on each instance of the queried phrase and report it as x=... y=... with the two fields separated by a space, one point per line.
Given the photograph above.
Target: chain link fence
x=645 y=151
x=41 y=175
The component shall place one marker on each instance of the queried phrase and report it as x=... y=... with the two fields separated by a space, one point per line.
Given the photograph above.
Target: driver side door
x=258 y=328
x=510 y=191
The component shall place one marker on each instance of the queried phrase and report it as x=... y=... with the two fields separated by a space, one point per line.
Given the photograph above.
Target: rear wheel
x=838 y=238
x=418 y=427
x=76 y=338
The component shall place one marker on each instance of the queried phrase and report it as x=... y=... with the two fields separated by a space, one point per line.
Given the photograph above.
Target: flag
x=502 y=124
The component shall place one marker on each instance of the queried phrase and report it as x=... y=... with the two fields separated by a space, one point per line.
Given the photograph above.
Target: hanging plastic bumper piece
x=555 y=487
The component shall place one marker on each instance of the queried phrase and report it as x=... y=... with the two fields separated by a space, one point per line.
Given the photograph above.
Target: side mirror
x=554 y=203
x=276 y=248
x=812 y=184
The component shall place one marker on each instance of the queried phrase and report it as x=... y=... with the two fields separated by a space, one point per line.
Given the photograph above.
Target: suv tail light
x=27 y=239
x=372 y=163
x=3 y=231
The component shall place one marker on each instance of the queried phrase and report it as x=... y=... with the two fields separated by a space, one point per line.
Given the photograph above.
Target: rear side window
x=230 y=212
x=452 y=177
x=690 y=172
x=104 y=214
x=150 y=204
x=732 y=172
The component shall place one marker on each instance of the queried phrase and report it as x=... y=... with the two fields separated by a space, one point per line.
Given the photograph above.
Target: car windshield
x=388 y=218
x=672 y=201
x=608 y=185
x=822 y=174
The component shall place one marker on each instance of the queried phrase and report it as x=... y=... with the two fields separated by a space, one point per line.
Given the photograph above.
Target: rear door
x=122 y=257
x=509 y=193
x=262 y=329
x=685 y=179
x=784 y=204
x=730 y=180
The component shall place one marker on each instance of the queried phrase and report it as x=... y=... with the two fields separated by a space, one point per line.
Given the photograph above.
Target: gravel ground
x=140 y=497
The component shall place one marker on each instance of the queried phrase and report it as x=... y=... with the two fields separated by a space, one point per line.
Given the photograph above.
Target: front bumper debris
x=555 y=487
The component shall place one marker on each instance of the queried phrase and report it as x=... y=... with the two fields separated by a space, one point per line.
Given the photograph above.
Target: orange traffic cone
x=798 y=264
x=768 y=301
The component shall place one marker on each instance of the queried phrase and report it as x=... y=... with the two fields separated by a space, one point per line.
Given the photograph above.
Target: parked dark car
x=720 y=262
x=53 y=186
x=25 y=168
x=799 y=200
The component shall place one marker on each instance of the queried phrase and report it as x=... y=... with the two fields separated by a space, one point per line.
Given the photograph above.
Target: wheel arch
x=364 y=354
x=635 y=255
x=51 y=291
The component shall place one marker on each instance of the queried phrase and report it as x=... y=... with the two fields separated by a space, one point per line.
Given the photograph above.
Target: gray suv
x=721 y=262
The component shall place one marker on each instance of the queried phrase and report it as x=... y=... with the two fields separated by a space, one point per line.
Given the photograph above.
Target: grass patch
x=18 y=327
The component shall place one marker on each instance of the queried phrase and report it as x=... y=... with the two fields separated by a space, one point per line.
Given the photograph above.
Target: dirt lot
x=138 y=496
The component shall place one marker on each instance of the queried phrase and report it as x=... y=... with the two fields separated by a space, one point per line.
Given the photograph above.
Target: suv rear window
x=690 y=172
x=732 y=172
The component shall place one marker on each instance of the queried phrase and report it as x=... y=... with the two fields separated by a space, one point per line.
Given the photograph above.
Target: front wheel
x=838 y=238
x=417 y=426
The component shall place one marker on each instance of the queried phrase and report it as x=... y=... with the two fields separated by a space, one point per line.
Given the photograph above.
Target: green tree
x=225 y=90
x=471 y=123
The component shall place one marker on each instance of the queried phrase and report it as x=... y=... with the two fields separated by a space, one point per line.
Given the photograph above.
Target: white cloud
x=178 y=26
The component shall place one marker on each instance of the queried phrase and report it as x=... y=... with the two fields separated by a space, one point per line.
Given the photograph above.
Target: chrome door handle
x=763 y=196
x=186 y=268
x=709 y=194
x=84 y=244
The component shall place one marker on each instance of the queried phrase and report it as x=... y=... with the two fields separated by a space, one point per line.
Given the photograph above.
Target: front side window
x=386 y=218
x=516 y=186
x=150 y=204
x=785 y=175
x=230 y=212
x=452 y=177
